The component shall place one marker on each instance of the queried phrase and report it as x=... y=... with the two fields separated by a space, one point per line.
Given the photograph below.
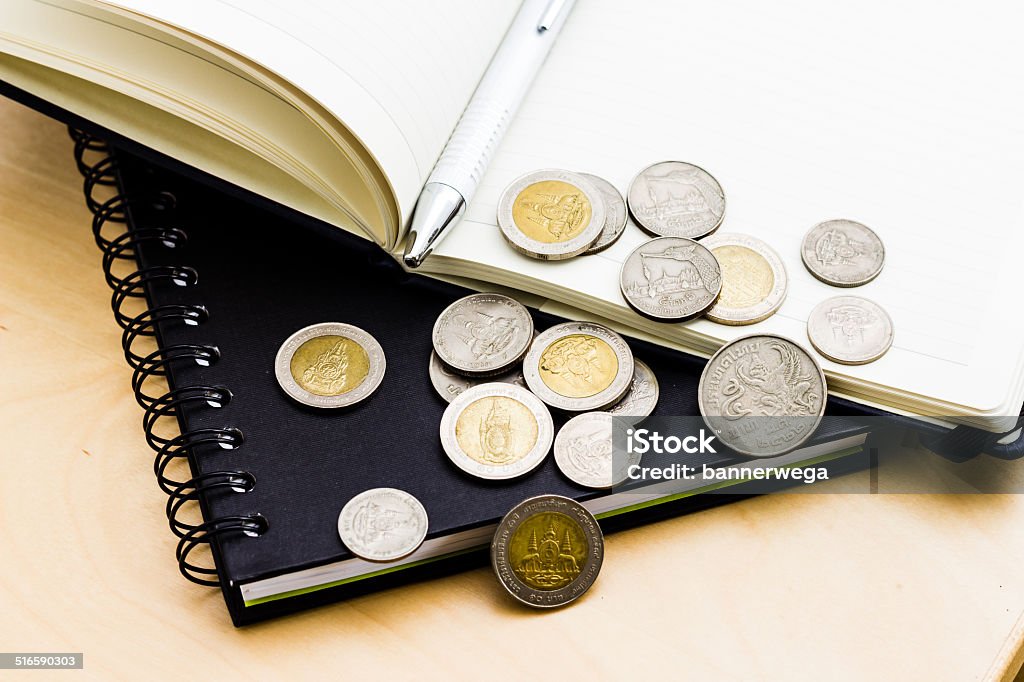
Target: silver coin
x=483 y=334
x=382 y=524
x=496 y=431
x=551 y=214
x=754 y=280
x=547 y=551
x=642 y=396
x=676 y=199
x=850 y=330
x=330 y=364
x=763 y=395
x=579 y=366
x=449 y=384
x=670 y=279
x=585 y=453
x=614 y=213
x=843 y=253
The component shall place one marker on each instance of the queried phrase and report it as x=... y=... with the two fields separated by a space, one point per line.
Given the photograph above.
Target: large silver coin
x=551 y=214
x=850 y=330
x=382 y=524
x=614 y=213
x=670 y=279
x=496 y=431
x=843 y=253
x=579 y=366
x=584 y=451
x=483 y=334
x=547 y=551
x=331 y=364
x=762 y=395
x=676 y=199
x=642 y=396
x=449 y=384
x=754 y=281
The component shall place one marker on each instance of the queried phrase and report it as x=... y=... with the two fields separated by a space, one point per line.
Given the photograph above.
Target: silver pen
x=454 y=179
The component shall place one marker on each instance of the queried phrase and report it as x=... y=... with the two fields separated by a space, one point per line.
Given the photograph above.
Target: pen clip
x=551 y=14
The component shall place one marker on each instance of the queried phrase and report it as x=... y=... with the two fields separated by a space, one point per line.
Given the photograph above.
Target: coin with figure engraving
x=551 y=214
x=642 y=396
x=614 y=213
x=670 y=279
x=763 y=395
x=676 y=199
x=496 y=431
x=850 y=330
x=754 y=279
x=843 y=253
x=585 y=452
x=449 y=384
x=483 y=334
x=579 y=366
x=382 y=524
x=547 y=551
x=330 y=364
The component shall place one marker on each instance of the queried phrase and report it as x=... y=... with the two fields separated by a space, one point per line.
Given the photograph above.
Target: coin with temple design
x=670 y=279
x=382 y=524
x=676 y=199
x=483 y=334
x=330 y=364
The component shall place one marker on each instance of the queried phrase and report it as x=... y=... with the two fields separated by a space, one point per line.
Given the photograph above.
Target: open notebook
x=339 y=110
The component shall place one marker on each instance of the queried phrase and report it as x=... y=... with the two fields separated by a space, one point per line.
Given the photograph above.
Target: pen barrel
x=472 y=144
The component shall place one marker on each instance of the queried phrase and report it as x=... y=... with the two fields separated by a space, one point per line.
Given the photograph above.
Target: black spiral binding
x=102 y=173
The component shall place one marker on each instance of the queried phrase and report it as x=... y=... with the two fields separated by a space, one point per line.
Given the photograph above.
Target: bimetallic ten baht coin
x=382 y=524
x=615 y=217
x=754 y=281
x=670 y=279
x=763 y=395
x=547 y=551
x=843 y=253
x=496 y=431
x=579 y=366
x=585 y=452
x=330 y=364
x=449 y=384
x=551 y=214
x=642 y=396
x=850 y=330
x=483 y=334
x=676 y=199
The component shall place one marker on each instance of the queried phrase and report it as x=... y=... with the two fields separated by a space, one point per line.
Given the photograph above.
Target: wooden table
x=826 y=586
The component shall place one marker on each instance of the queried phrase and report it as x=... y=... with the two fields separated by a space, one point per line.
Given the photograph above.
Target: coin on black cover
x=330 y=364
x=642 y=396
x=585 y=452
x=382 y=524
x=483 y=334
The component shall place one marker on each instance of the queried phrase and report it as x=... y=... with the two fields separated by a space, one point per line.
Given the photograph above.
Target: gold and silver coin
x=585 y=452
x=547 y=551
x=483 y=334
x=671 y=279
x=496 y=431
x=579 y=366
x=614 y=213
x=754 y=279
x=382 y=524
x=676 y=199
x=850 y=330
x=551 y=214
x=330 y=364
x=763 y=395
x=449 y=384
x=843 y=253
x=642 y=396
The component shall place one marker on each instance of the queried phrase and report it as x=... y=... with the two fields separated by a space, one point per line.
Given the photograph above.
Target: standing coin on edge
x=448 y=384
x=850 y=330
x=496 y=431
x=614 y=213
x=579 y=366
x=642 y=396
x=551 y=214
x=483 y=334
x=754 y=279
x=547 y=551
x=843 y=253
x=329 y=365
x=676 y=199
x=670 y=279
x=585 y=452
x=407 y=524
x=763 y=395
